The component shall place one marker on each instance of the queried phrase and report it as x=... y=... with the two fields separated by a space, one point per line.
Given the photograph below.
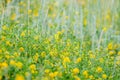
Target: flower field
x=59 y=40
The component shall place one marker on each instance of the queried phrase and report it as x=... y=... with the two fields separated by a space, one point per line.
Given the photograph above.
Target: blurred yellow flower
x=77 y=78
x=4 y=65
x=13 y=63
x=22 y=34
x=99 y=69
x=13 y=16
x=104 y=76
x=66 y=59
x=19 y=77
x=110 y=46
x=47 y=71
x=19 y=65
x=78 y=60
x=75 y=71
x=85 y=73
x=21 y=49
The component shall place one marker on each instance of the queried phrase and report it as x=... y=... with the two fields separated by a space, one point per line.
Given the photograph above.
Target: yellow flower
x=76 y=71
x=3 y=38
x=29 y=11
x=4 y=65
x=66 y=59
x=47 y=71
x=12 y=62
x=78 y=60
x=43 y=54
x=32 y=67
x=55 y=73
x=110 y=46
x=4 y=27
x=85 y=73
x=51 y=75
x=99 y=69
x=19 y=77
x=104 y=76
x=21 y=49
x=22 y=34
x=0 y=50
x=111 y=53
x=77 y=78
x=35 y=13
x=13 y=16
x=8 y=43
x=91 y=77
x=85 y=22
x=119 y=53
x=19 y=65
x=104 y=29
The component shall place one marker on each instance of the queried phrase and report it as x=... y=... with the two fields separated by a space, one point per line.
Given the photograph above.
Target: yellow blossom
x=99 y=69
x=85 y=73
x=104 y=76
x=66 y=59
x=4 y=65
x=77 y=78
x=47 y=71
x=76 y=71
x=21 y=49
x=110 y=46
x=19 y=65
x=78 y=60
x=13 y=16
x=12 y=62
x=22 y=34
x=19 y=77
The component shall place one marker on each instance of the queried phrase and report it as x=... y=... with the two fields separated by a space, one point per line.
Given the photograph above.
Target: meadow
x=59 y=40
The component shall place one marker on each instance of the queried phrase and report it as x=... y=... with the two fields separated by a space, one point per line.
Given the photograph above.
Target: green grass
x=60 y=40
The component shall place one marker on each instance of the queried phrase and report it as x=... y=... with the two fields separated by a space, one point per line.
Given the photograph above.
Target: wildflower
x=3 y=38
x=8 y=43
x=19 y=77
x=4 y=65
x=12 y=62
x=4 y=27
x=22 y=34
x=104 y=76
x=99 y=69
x=77 y=78
x=0 y=50
x=52 y=75
x=76 y=71
x=85 y=73
x=19 y=65
x=47 y=71
x=21 y=49
x=78 y=60
x=32 y=67
x=29 y=11
x=110 y=46
x=119 y=53
x=85 y=22
x=66 y=59
x=111 y=53
x=13 y=16
x=104 y=29
x=91 y=77
x=43 y=54
x=35 y=13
